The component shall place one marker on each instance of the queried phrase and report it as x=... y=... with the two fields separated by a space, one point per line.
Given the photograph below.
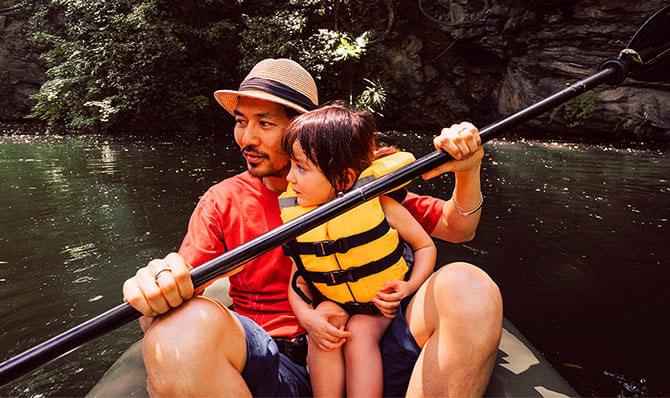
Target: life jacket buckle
x=327 y=247
x=340 y=276
x=322 y=248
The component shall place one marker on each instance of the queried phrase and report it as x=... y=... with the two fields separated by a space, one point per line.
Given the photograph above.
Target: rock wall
x=20 y=72
x=483 y=59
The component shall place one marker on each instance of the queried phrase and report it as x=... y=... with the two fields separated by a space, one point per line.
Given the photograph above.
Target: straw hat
x=278 y=80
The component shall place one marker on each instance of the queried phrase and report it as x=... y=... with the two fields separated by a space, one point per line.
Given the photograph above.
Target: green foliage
x=350 y=49
x=123 y=64
x=373 y=97
x=578 y=109
x=275 y=36
x=289 y=33
x=143 y=65
x=328 y=38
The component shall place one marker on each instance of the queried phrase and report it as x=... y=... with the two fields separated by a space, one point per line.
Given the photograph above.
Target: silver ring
x=157 y=274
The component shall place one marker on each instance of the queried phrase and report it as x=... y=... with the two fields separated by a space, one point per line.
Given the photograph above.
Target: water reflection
x=575 y=235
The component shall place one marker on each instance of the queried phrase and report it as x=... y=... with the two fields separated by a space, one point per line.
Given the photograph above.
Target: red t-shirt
x=240 y=209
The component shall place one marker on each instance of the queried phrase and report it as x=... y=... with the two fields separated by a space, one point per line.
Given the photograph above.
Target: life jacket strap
x=353 y=274
x=296 y=288
x=354 y=308
x=342 y=245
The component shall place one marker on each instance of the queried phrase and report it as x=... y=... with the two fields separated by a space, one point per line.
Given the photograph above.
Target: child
x=352 y=267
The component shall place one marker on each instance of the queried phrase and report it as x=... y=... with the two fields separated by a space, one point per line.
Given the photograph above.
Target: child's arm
x=315 y=322
x=425 y=255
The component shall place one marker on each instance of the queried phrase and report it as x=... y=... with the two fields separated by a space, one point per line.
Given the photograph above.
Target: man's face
x=259 y=127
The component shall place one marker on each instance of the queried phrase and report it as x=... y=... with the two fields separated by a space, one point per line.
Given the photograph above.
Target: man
x=443 y=341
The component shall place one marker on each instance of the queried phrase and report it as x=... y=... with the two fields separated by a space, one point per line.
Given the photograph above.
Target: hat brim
x=228 y=99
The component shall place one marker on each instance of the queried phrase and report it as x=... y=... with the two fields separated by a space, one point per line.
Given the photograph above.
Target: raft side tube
x=520 y=370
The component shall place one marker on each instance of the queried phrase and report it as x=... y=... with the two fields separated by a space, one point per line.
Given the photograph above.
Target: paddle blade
x=650 y=48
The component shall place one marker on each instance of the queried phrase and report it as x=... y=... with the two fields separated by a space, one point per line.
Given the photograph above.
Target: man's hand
x=462 y=142
x=161 y=285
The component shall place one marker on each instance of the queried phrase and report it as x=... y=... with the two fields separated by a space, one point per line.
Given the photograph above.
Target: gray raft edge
x=520 y=369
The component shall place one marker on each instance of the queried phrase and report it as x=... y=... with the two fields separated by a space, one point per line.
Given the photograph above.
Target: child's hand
x=388 y=298
x=320 y=329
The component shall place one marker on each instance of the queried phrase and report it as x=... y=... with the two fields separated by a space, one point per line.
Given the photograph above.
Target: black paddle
x=646 y=58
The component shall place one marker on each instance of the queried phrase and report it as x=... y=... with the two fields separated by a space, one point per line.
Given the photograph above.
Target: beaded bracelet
x=470 y=212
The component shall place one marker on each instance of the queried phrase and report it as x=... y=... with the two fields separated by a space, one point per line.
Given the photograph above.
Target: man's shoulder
x=228 y=193
x=235 y=184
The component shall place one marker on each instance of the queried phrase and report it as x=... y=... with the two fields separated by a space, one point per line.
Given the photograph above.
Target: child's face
x=310 y=185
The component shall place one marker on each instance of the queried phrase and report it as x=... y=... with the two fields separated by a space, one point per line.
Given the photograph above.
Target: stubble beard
x=257 y=171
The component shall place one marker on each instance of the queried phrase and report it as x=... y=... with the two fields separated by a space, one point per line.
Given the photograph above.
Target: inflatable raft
x=520 y=370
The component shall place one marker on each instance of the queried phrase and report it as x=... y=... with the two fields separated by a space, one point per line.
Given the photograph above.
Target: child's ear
x=351 y=179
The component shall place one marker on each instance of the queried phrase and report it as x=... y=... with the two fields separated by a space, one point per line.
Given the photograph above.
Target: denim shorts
x=400 y=352
x=269 y=373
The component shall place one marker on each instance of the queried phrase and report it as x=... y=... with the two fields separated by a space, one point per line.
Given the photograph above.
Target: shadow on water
x=574 y=234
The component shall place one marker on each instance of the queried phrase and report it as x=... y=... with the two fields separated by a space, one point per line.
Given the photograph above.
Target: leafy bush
x=329 y=38
x=118 y=65
x=149 y=65
x=577 y=110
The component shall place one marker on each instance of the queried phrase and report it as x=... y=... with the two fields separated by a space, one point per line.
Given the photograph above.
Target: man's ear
x=351 y=179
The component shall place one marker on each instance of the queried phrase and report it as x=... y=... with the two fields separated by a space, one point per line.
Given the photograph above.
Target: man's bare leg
x=197 y=349
x=456 y=316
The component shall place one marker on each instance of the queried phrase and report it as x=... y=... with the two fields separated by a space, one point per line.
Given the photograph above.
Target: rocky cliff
x=482 y=59
x=447 y=60
x=20 y=72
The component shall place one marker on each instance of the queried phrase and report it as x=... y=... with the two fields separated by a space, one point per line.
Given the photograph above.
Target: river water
x=576 y=236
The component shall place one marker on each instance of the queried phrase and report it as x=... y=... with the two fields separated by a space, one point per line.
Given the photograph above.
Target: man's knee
x=198 y=329
x=188 y=351
x=464 y=287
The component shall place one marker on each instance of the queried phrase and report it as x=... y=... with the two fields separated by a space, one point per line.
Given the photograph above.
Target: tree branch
x=389 y=23
x=10 y=10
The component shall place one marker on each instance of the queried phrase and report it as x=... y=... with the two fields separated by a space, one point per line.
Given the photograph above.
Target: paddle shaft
x=223 y=264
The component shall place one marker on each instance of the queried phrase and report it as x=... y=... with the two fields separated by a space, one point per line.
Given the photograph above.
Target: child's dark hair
x=334 y=138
